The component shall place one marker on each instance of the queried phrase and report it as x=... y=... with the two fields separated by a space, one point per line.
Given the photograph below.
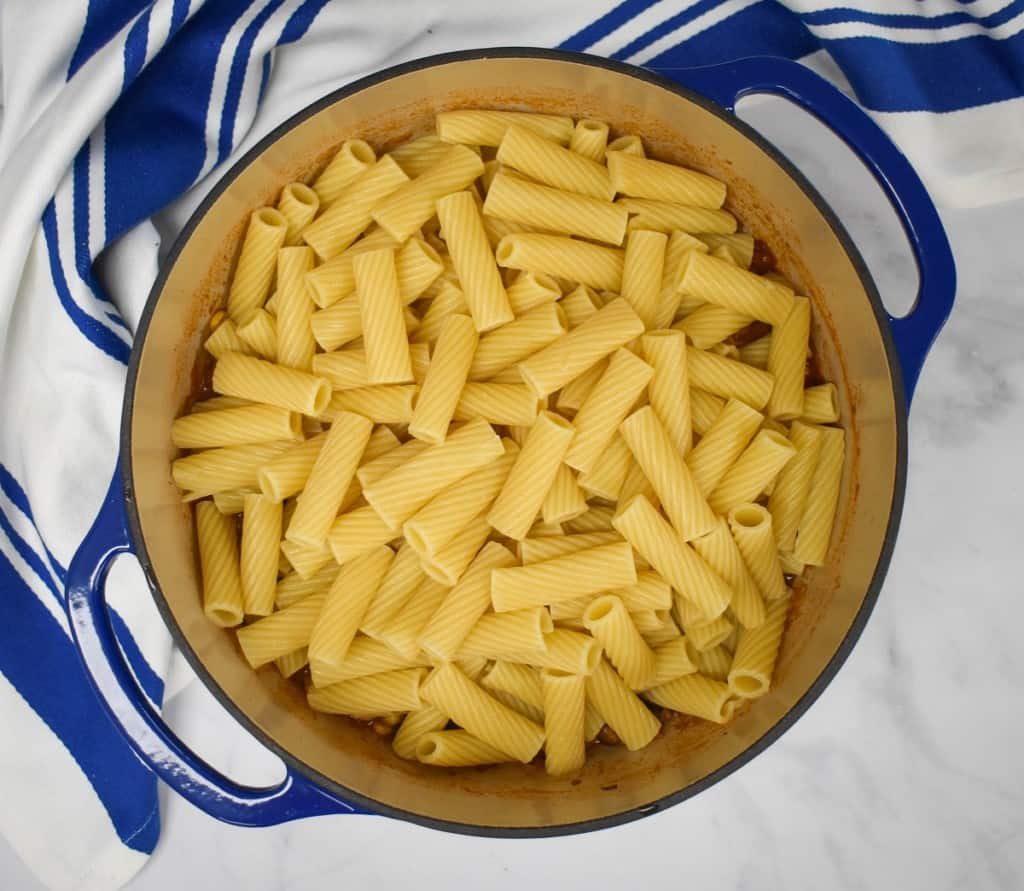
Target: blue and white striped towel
x=117 y=117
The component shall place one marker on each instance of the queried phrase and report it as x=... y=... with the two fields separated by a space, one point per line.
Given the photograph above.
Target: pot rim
x=333 y=788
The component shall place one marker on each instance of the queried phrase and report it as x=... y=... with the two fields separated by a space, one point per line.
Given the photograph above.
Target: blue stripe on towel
x=156 y=131
x=842 y=15
x=660 y=30
x=96 y=333
x=916 y=77
x=765 y=28
x=39 y=661
x=300 y=21
x=609 y=22
x=149 y=680
x=16 y=495
x=236 y=78
x=103 y=20
x=135 y=47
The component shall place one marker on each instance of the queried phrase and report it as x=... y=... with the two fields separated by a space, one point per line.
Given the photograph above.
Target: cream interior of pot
x=846 y=337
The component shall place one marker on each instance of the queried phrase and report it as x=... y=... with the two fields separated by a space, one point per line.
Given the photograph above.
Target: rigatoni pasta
x=555 y=210
x=352 y=158
x=218 y=558
x=581 y=261
x=380 y=309
x=445 y=378
x=677 y=490
x=528 y=482
x=254 y=272
x=464 y=478
x=589 y=139
x=474 y=261
x=412 y=204
x=605 y=407
x=549 y=163
x=646 y=178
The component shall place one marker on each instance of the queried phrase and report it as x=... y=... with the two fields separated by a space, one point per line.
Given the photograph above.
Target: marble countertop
x=905 y=774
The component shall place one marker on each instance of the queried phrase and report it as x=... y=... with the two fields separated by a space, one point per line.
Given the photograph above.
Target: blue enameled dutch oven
x=337 y=766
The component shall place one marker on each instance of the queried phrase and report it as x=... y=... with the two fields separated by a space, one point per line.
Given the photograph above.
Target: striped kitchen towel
x=117 y=117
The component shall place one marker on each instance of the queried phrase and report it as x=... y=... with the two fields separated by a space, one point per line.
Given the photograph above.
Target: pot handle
x=915 y=332
x=152 y=740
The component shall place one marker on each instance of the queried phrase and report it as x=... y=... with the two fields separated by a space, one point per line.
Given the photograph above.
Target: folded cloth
x=118 y=115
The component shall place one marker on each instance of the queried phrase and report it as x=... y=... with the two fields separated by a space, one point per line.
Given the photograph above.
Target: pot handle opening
x=913 y=333
x=150 y=737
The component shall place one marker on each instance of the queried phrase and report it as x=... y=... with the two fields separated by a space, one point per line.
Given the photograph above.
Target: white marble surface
x=905 y=774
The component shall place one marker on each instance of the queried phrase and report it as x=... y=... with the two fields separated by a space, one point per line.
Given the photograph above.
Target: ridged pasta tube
x=555 y=210
x=665 y=216
x=403 y=577
x=259 y=334
x=787 y=356
x=645 y=178
x=579 y=261
x=545 y=161
x=572 y=575
x=753 y=663
x=464 y=604
x=219 y=561
x=668 y=473
x=642 y=272
x=474 y=261
x=608 y=621
x=722 y=443
x=235 y=426
x=412 y=204
x=474 y=710
x=445 y=379
x=606 y=407
x=729 y=378
x=295 y=342
x=528 y=482
x=375 y=694
x=280 y=633
x=474 y=126
x=724 y=284
x=224 y=469
x=757 y=466
x=506 y=635
x=254 y=272
x=821 y=404
x=614 y=325
x=658 y=543
x=457 y=748
x=621 y=708
x=298 y=204
x=696 y=695
x=815 y=529
x=344 y=608
x=261 y=536
x=329 y=479
x=401 y=492
x=380 y=309
x=338 y=226
x=564 y=712
x=353 y=158
x=589 y=139
x=511 y=343
x=751 y=526
x=260 y=381
x=720 y=552
x=793 y=484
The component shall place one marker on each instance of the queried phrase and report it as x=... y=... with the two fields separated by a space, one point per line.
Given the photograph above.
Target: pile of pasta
x=496 y=452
